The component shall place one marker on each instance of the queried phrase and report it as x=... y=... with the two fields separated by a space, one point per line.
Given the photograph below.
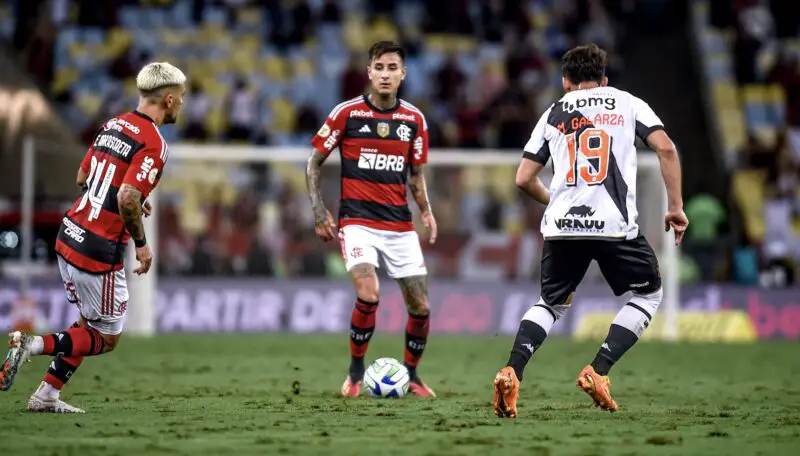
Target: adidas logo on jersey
x=381 y=162
x=365 y=129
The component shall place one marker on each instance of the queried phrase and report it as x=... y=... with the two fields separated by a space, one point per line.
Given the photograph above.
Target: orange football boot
x=598 y=387
x=506 y=392
x=419 y=388
x=350 y=388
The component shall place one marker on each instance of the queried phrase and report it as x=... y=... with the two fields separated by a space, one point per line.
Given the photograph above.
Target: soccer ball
x=387 y=377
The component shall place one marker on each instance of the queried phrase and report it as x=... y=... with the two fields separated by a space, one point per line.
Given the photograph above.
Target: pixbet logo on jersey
x=580 y=220
x=381 y=162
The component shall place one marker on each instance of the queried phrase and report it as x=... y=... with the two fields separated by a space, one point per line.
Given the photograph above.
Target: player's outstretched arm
x=129 y=200
x=671 y=172
x=528 y=181
x=419 y=190
x=323 y=220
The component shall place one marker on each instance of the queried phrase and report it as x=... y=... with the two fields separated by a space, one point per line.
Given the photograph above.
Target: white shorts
x=400 y=251
x=101 y=298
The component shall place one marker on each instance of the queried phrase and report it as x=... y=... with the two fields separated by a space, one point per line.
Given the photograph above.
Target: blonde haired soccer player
x=122 y=166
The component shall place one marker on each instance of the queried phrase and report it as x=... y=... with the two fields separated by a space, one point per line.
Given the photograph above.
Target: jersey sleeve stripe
x=643 y=131
x=341 y=106
x=411 y=107
x=164 y=148
x=541 y=156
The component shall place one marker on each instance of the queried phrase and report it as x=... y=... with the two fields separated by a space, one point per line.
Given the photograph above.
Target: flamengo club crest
x=383 y=129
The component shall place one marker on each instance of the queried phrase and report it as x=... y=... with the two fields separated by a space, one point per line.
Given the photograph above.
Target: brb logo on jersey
x=608 y=103
x=580 y=220
x=370 y=159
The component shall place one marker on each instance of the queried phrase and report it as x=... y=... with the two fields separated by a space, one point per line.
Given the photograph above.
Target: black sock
x=356 y=368
x=618 y=341
x=530 y=337
x=412 y=371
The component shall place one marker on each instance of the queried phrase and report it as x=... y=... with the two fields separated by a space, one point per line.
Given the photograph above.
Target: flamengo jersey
x=128 y=150
x=590 y=136
x=376 y=147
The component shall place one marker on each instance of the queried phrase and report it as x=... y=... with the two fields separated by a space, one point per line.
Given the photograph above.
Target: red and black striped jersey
x=376 y=147
x=128 y=149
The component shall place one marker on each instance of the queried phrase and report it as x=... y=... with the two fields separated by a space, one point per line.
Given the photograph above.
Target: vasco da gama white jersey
x=589 y=134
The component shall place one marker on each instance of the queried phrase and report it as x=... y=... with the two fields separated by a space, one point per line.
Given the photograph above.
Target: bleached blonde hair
x=157 y=75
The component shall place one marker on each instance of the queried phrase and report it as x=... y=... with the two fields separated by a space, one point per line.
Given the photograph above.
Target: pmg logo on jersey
x=608 y=103
x=578 y=219
x=380 y=162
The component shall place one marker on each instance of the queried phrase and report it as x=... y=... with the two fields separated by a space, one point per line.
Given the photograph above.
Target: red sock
x=416 y=338
x=61 y=370
x=362 y=326
x=74 y=342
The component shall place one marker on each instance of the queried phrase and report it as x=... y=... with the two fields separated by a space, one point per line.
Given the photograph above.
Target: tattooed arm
x=419 y=190
x=323 y=220
x=129 y=200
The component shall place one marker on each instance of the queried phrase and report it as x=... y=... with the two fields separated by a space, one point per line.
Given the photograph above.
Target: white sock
x=47 y=391
x=36 y=345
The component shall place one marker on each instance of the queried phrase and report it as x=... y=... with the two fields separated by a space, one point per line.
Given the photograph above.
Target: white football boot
x=46 y=400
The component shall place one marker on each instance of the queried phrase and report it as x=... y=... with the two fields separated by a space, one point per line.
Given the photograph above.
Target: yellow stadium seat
x=732 y=128
x=754 y=93
x=383 y=29
x=64 y=77
x=540 y=20
x=250 y=16
x=283 y=115
x=173 y=38
x=725 y=95
x=118 y=41
x=302 y=67
x=354 y=32
x=748 y=189
x=276 y=68
x=215 y=122
x=89 y=103
x=775 y=94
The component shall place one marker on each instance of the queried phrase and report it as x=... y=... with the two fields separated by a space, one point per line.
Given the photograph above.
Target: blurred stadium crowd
x=268 y=71
x=751 y=57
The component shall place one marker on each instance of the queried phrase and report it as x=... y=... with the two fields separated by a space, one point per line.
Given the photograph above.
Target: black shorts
x=627 y=265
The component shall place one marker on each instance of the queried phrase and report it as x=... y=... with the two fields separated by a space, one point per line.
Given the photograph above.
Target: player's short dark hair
x=584 y=64
x=380 y=48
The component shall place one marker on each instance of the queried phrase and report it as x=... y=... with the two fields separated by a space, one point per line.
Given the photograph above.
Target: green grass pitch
x=234 y=395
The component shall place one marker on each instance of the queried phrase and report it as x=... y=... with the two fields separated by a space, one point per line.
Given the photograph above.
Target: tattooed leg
x=415 y=294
